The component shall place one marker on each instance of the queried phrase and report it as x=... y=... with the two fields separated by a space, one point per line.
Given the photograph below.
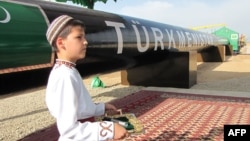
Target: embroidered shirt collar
x=66 y=63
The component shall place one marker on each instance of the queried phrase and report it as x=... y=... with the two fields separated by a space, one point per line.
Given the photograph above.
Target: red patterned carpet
x=175 y=116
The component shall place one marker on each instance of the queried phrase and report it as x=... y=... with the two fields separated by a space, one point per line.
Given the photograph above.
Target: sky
x=186 y=13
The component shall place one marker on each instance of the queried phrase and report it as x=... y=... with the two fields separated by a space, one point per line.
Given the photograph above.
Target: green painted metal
x=22 y=36
x=231 y=35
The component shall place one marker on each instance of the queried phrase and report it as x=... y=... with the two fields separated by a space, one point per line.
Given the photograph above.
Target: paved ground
x=25 y=112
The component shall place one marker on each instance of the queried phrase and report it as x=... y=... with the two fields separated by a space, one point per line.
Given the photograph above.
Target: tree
x=89 y=3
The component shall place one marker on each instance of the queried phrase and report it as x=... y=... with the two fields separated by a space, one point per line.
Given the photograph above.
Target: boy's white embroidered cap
x=56 y=27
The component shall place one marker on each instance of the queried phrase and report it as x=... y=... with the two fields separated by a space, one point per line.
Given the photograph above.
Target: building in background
x=231 y=35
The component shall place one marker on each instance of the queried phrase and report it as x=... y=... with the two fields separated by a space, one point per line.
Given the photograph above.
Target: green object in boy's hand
x=129 y=127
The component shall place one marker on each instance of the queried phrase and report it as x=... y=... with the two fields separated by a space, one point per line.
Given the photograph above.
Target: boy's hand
x=119 y=132
x=110 y=107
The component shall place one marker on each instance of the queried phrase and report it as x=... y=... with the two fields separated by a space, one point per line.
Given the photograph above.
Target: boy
x=66 y=97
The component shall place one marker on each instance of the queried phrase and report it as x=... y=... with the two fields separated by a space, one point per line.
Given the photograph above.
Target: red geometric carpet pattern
x=188 y=117
x=174 y=116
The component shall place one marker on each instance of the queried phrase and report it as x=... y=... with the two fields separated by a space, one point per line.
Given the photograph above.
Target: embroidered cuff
x=106 y=130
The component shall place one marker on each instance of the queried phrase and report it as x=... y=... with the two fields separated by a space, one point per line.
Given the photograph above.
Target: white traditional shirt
x=69 y=101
